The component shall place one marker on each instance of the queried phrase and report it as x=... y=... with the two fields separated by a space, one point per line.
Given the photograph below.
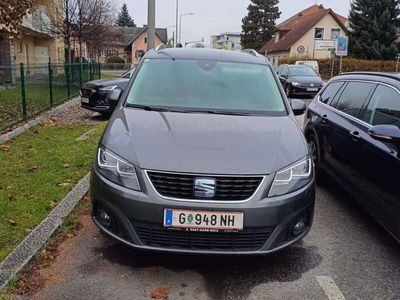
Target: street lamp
x=180 y=24
x=173 y=34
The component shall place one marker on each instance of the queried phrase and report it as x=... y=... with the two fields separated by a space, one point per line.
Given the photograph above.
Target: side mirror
x=386 y=133
x=298 y=107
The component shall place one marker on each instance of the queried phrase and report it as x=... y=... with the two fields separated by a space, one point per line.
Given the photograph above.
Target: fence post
x=80 y=72
x=99 y=71
x=23 y=95
x=50 y=84
x=90 y=71
x=68 y=80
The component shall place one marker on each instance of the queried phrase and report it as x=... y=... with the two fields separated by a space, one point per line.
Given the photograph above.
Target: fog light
x=104 y=218
x=299 y=227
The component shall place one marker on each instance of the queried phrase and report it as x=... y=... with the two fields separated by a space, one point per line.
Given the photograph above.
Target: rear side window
x=354 y=97
x=330 y=92
x=384 y=107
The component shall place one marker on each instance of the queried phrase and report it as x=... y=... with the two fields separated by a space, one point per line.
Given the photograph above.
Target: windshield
x=302 y=71
x=206 y=85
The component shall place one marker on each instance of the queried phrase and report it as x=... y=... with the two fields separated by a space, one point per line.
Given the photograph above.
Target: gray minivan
x=203 y=154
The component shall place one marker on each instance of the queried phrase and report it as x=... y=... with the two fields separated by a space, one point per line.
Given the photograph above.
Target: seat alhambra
x=203 y=154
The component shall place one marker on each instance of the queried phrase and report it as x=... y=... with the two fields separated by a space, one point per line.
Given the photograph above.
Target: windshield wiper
x=218 y=112
x=147 y=107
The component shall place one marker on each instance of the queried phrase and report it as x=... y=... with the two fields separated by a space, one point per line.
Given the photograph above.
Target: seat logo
x=204 y=187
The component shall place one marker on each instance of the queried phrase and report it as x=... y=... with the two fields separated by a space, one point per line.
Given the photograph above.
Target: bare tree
x=79 y=20
x=93 y=19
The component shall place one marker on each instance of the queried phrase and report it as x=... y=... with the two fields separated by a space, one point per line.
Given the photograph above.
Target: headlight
x=295 y=83
x=117 y=169
x=292 y=178
x=113 y=92
x=108 y=88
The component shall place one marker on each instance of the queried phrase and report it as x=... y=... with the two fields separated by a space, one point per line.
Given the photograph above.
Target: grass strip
x=37 y=170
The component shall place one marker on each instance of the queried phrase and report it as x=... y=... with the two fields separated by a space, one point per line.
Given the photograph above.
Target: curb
x=29 y=247
x=46 y=115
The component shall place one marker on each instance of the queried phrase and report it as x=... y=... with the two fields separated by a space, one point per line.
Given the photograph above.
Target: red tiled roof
x=294 y=28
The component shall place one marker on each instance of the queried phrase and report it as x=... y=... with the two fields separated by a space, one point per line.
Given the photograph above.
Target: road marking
x=86 y=135
x=330 y=288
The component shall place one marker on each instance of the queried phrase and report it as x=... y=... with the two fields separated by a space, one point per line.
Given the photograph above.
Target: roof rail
x=251 y=51
x=160 y=47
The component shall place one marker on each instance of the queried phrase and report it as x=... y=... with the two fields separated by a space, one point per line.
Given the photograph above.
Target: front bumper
x=137 y=219
x=303 y=91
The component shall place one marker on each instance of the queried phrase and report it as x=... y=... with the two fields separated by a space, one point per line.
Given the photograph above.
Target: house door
x=42 y=58
x=42 y=55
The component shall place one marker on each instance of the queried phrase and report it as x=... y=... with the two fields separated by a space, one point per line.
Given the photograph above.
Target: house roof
x=297 y=26
x=124 y=36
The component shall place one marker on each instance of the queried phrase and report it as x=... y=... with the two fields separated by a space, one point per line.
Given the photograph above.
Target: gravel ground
x=75 y=115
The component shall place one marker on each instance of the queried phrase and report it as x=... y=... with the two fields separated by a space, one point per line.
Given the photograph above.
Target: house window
x=319 y=33
x=233 y=45
x=145 y=40
x=20 y=48
x=335 y=33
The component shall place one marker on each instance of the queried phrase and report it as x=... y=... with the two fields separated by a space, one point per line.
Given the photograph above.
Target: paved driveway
x=347 y=255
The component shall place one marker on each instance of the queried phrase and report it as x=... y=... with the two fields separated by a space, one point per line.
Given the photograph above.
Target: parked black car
x=299 y=80
x=102 y=95
x=353 y=131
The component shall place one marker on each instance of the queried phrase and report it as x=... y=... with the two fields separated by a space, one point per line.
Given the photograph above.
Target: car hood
x=107 y=82
x=307 y=79
x=205 y=143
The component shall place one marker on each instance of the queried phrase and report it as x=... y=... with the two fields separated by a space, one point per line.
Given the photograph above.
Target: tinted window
x=205 y=85
x=384 y=107
x=331 y=91
x=353 y=97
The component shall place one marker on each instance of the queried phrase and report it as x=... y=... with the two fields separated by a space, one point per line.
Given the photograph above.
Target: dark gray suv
x=203 y=154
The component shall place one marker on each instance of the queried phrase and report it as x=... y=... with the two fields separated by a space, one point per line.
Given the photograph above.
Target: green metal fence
x=26 y=90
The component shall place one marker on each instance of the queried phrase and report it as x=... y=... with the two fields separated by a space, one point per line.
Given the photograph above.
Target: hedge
x=115 y=60
x=349 y=65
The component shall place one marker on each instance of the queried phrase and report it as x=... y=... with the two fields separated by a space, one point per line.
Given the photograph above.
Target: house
x=226 y=40
x=310 y=34
x=36 y=45
x=129 y=43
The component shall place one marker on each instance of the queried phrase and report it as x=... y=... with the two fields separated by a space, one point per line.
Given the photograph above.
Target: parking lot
x=347 y=255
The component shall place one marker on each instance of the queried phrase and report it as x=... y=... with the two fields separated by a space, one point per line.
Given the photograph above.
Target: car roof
x=208 y=54
x=376 y=76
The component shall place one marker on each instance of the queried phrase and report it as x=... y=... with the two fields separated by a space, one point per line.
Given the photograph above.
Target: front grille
x=85 y=92
x=155 y=235
x=181 y=186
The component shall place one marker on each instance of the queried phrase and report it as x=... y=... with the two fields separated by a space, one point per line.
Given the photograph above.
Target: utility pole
x=151 y=20
x=176 y=25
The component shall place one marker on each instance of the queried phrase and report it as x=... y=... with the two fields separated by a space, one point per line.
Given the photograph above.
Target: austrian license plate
x=312 y=89
x=203 y=220
x=85 y=100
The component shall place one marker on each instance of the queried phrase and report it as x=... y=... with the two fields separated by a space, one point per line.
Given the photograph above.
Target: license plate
x=203 y=220
x=312 y=89
x=85 y=100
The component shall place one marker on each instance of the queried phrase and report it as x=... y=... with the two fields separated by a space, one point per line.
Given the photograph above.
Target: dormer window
x=276 y=37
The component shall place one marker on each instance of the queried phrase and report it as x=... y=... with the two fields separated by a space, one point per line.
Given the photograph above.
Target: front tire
x=315 y=153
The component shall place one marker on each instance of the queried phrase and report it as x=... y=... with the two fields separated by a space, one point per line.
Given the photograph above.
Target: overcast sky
x=215 y=16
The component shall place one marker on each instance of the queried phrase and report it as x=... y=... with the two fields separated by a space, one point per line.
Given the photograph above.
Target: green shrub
x=115 y=60
x=349 y=65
